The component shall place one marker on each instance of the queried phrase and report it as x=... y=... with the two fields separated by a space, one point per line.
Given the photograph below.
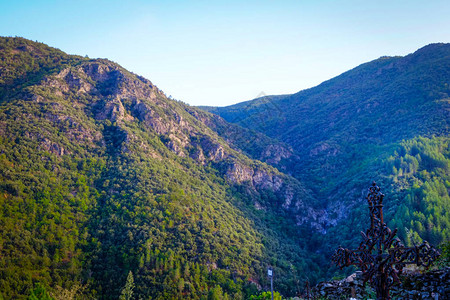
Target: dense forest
x=108 y=189
x=420 y=170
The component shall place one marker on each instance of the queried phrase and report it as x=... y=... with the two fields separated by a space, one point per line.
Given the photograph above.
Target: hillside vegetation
x=386 y=120
x=106 y=183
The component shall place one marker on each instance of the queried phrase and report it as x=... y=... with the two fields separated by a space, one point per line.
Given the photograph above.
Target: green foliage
x=20 y=69
x=127 y=291
x=423 y=206
x=370 y=293
x=39 y=293
x=266 y=296
x=444 y=260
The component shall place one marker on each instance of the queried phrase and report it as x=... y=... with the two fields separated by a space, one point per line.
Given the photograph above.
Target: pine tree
x=127 y=291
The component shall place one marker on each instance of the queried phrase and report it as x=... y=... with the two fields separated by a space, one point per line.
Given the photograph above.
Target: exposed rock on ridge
x=124 y=99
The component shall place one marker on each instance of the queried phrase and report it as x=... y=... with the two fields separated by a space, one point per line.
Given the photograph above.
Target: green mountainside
x=386 y=120
x=106 y=183
x=108 y=188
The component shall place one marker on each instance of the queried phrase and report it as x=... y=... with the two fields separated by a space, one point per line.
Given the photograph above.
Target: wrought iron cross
x=381 y=256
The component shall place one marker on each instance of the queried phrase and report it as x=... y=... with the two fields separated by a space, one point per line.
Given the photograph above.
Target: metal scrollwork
x=381 y=256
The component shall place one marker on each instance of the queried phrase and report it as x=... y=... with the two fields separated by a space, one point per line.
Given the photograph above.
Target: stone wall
x=431 y=285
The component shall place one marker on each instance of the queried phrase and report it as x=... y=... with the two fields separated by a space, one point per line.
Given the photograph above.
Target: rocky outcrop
x=324 y=149
x=212 y=149
x=150 y=117
x=274 y=153
x=96 y=71
x=112 y=110
x=239 y=173
x=259 y=178
x=69 y=79
x=291 y=196
x=51 y=147
x=204 y=148
x=240 y=139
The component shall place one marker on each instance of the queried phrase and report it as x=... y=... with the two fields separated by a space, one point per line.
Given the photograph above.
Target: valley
x=103 y=176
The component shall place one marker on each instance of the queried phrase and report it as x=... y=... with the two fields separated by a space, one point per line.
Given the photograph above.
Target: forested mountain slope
x=386 y=120
x=102 y=176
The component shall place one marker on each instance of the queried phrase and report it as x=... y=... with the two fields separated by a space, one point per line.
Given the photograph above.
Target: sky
x=219 y=53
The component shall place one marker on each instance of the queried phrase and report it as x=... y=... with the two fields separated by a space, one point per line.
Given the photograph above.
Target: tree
x=127 y=291
x=266 y=296
x=68 y=294
x=39 y=293
x=217 y=294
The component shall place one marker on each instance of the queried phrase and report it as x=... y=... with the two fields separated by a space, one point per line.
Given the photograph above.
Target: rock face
x=431 y=285
x=238 y=173
x=274 y=153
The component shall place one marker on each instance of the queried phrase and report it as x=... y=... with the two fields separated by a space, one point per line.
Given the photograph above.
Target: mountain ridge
x=318 y=105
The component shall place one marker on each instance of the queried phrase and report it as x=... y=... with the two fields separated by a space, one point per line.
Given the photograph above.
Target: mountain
x=106 y=184
x=104 y=181
x=386 y=120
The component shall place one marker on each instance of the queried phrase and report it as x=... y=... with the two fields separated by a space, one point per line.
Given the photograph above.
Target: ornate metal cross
x=381 y=256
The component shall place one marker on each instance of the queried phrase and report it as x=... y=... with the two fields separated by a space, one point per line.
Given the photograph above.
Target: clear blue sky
x=223 y=52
